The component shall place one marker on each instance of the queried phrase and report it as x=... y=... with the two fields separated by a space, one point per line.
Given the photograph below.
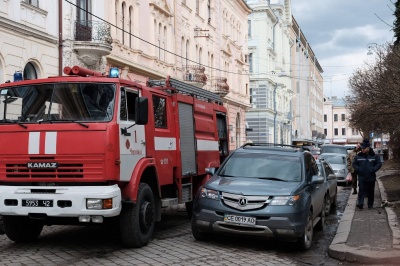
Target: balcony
x=195 y=74
x=92 y=40
x=220 y=86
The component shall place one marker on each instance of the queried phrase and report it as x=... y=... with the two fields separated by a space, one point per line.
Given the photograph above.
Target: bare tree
x=375 y=105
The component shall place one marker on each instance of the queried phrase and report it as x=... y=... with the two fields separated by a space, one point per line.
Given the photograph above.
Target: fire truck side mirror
x=141 y=111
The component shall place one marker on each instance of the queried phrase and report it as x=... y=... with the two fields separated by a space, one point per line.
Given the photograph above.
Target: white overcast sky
x=339 y=31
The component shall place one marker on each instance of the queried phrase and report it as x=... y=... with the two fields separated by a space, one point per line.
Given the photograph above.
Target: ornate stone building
x=28 y=39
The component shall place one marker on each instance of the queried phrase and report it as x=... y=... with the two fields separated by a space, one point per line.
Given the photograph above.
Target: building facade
x=336 y=125
x=308 y=96
x=28 y=39
x=200 y=42
x=269 y=119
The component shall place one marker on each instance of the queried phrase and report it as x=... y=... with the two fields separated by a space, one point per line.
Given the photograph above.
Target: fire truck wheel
x=21 y=228
x=137 y=220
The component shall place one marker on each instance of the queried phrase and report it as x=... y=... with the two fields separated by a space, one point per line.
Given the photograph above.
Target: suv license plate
x=239 y=219
x=37 y=203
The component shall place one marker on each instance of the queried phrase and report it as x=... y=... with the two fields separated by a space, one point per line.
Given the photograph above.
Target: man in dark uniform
x=366 y=164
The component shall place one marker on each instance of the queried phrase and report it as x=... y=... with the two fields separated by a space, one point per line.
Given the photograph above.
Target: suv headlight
x=285 y=200
x=342 y=171
x=209 y=193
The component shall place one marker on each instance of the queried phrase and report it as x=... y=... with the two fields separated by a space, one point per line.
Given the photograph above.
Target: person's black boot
x=354 y=191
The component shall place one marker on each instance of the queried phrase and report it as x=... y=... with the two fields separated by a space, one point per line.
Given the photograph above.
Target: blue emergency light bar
x=114 y=72
x=18 y=76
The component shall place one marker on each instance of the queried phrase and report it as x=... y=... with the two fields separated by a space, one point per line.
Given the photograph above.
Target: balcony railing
x=93 y=31
x=194 y=73
x=220 y=86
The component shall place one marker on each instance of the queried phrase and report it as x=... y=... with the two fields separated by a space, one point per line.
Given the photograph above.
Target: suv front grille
x=244 y=203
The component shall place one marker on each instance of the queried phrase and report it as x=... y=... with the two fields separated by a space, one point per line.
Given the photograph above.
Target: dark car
x=330 y=186
x=262 y=191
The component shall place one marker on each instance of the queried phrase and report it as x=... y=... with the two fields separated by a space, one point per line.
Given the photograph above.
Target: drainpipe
x=60 y=37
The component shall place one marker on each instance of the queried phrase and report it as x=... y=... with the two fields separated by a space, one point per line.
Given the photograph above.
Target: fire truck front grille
x=63 y=171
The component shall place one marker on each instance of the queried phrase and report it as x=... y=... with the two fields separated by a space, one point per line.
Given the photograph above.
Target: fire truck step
x=169 y=202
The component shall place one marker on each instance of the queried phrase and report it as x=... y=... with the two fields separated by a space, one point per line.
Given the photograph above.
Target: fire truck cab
x=93 y=148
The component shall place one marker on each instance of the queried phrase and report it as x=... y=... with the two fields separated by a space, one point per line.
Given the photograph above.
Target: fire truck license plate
x=239 y=219
x=37 y=203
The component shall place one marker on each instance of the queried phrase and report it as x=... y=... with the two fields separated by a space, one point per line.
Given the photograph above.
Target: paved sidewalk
x=368 y=236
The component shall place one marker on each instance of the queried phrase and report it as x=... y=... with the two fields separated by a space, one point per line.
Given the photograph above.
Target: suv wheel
x=327 y=204
x=321 y=223
x=305 y=240
x=197 y=234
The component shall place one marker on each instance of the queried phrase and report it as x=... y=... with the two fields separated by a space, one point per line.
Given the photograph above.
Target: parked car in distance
x=330 y=186
x=350 y=147
x=333 y=148
x=338 y=162
x=315 y=152
x=262 y=191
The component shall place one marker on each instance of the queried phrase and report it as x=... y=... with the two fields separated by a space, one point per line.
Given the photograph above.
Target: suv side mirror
x=210 y=170
x=317 y=179
x=331 y=176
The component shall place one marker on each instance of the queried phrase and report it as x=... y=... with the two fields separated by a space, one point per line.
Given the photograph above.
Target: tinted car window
x=257 y=165
x=333 y=158
x=334 y=149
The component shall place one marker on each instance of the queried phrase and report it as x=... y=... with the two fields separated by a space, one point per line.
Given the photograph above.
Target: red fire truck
x=89 y=148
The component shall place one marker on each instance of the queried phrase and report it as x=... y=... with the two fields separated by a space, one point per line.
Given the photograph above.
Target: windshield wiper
x=13 y=122
x=227 y=175
x=51 y=121
x=273 y=178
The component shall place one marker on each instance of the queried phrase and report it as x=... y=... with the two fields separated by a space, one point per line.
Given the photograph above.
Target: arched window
x=123 y=23
x=200 y=55
x=165 y=44
x=30 y=71
x=187 y=52
x=130 y=26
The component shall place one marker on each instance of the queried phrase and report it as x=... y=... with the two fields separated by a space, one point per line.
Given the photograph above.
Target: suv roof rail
x=259 y=144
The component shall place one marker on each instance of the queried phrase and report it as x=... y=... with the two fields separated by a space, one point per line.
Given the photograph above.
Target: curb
x=339 y=250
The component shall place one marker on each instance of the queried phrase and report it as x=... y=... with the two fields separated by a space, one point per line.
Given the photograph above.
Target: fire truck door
x=132 y=137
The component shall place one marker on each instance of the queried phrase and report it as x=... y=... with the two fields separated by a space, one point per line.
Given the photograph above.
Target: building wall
x=28 y=35
x=307 y=82
x=270 y=86
x=345 y=134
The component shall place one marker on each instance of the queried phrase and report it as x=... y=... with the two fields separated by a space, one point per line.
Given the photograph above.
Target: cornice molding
x=26 y=31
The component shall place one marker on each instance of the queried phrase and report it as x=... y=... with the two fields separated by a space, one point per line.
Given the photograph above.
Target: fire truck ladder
x=186 y=88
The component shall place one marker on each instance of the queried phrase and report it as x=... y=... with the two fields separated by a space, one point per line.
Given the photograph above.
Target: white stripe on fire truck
x=207 y=145
x=164 y=144
x=50 y=146
x=33 y=142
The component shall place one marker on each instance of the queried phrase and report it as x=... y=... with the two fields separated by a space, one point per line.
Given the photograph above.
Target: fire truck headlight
x=99 y=204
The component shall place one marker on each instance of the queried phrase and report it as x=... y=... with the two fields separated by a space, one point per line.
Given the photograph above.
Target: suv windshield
x=83 y=102
x=266 y=166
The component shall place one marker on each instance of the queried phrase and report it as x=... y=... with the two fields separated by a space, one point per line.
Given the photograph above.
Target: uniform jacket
x=366 y=165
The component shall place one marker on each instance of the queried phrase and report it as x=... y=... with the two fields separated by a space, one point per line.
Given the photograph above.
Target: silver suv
x=262 y=191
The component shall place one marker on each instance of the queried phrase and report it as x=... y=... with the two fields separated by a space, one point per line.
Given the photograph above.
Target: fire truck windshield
x=83 y=102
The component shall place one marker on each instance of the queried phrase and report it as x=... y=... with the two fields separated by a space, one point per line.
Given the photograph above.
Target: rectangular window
x=343 y=131
x=336 y=132
x=251 y=63
x=343 y=117
x=160 y=112
x=335 y=117
x=325 y=118
x=197 y=7
x=127 y=110
x=249 y=28
x=32 y=2
x=325 y=131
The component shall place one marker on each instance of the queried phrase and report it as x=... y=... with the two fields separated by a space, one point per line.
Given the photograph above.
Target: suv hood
x=251 y=186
